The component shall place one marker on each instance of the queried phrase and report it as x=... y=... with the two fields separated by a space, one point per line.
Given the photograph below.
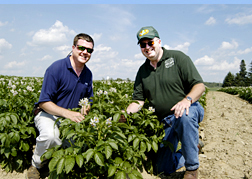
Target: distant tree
x=243 y=74
x=238 y=80
x=250 y=74
x=229 y=80
x=243 y=71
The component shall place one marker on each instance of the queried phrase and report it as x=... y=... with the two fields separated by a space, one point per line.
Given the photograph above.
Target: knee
x=49 y=137
x=186 y=121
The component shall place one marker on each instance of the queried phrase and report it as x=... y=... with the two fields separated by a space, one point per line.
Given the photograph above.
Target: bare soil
x=227 y=134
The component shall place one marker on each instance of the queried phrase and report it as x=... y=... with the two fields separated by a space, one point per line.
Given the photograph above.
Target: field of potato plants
x=243 y=92
x=99 y=147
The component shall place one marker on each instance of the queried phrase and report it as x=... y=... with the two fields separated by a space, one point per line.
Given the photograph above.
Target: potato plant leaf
x=154 y=146
x=69 y=163
x=108 y=151
x=60 y=165
x=89 y=154
x=116 y=117
x=113 y=145
x=136 y=143
x=53 y=163
x=99 y=159
x=120 y=175
x=111 y=170
x=79 y=160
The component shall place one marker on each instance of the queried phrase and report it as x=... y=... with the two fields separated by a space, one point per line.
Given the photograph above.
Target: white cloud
x=247 y=50
x=56 y=34
x=102 y=48
x=210 y=21
x=139 y=56
x=96 y=60
x=228 y=45
x=14 y=64
x=64 y=49
x=131 y=63
x=3 y=23
x=205 y=9
x=181 y=47
x=46 y=57
x=103 y=52
x=96 y=37
x=206 y=60
x=224 y=65
x=240 y=19
x=4 y=44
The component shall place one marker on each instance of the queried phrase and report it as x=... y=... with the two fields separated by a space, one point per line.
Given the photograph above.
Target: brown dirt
x=227 y=133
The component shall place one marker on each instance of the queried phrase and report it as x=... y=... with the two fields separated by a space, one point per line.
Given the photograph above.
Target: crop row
x=243 y=92
x=98 y=147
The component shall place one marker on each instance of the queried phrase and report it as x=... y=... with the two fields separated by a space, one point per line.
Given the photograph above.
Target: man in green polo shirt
x=172 y=85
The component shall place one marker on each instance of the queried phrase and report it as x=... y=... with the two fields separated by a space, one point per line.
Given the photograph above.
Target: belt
x=36 y=110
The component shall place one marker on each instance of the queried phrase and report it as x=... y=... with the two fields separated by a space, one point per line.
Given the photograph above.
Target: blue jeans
x=184 y=129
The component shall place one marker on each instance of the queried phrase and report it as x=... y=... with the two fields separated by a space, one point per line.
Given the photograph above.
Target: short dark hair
x=82 y=36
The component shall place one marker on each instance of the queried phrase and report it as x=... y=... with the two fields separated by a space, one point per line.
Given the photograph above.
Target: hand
x=75 y=116
x=180 y=107
x=85 y=110
x=122 y=119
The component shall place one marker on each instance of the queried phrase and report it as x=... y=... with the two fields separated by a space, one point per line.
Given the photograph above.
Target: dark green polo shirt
x=168 y=84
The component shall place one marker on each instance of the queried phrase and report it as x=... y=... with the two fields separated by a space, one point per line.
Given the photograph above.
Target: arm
x=195 y=93
x=56 y=110
x=134 y=107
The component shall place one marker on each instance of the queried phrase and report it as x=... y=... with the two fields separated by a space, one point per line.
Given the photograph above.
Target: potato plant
x=17 y=131
x=98 y=147
x=101 y=146
x=243 y=92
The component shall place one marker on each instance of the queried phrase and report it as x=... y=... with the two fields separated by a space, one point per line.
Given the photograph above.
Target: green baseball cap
x=147 y=32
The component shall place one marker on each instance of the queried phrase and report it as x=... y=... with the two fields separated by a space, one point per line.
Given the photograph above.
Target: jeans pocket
x=167 y=121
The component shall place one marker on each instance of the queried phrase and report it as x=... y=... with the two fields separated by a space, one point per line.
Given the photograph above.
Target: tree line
x=242 y=78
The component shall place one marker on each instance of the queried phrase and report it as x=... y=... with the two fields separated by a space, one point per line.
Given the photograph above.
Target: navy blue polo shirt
x=63 y=87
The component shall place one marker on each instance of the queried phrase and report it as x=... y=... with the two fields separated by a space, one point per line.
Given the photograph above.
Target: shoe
x=193 y=174
x=32 y=173
x=200 y=146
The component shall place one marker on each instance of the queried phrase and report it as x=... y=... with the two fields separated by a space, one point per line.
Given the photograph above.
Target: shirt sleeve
x=138 y=93
x=189 y=73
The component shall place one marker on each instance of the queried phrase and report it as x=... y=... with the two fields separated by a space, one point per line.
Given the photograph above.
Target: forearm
x=196 y=92
x=134 y=107
x=53 y=109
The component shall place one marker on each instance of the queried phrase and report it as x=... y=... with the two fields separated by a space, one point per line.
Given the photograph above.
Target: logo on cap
x=144 y=32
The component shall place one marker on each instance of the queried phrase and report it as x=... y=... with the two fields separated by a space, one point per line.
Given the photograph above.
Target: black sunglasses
x=81 y=48
x=143 y=45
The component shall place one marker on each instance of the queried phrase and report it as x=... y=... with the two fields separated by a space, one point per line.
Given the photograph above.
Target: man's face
x=81 y=51
x=150 y=48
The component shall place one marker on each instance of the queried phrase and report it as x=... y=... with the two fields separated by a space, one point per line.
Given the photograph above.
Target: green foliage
x=243 y=92
x=100 y=145
x=16 y=144
x=243 y=78
x=229 y=80
x=17 y=132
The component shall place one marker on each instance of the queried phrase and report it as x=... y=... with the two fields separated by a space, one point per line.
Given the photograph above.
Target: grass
x=214 y=88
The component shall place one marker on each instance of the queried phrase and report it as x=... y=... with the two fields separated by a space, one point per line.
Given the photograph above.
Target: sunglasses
x=81 y=48
x=143 y=45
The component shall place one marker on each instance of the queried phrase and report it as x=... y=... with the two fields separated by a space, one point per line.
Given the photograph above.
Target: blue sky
x=216 y=36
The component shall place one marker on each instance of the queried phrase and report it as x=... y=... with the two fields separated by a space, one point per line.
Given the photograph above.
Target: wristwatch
x=189 y=99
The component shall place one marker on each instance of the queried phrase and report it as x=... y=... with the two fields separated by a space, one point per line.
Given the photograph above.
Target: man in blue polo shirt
x=66 y=81
x=172 y=85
